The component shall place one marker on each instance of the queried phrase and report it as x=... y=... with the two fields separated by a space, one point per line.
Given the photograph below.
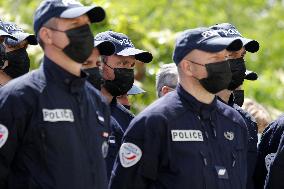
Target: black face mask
x=3 y=57
x=18 y=63
x=94 y=77
x=219 y=77
x=238 y=69
x=123 y=81
x=81 y=43
x=239 y=97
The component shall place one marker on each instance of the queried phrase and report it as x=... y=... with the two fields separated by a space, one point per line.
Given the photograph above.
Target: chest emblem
x=229 y=135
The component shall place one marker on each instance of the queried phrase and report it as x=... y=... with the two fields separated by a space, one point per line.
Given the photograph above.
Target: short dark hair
x=50 y=23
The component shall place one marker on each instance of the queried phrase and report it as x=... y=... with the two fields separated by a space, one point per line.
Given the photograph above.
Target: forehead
x=122 y=58
x=202 y=56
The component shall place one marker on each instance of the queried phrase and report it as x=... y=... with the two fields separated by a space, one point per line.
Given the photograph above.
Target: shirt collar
x=201 y=109
x=61 y=77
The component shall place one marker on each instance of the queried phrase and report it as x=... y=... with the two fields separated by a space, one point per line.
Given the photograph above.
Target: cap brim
x=106 y=48
x=21 y=36
x=135 y=90
x=250 y=75
x=140 y=55
x=95 y=13
x=218 y=44
x=250 y=45
x=5 y=34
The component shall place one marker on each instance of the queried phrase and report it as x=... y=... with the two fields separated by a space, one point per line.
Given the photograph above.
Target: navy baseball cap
x=229 y=30
x=65 y=9
x=124 y=46
x=4 y=33
x=19 y=33
x=135 y=90
x=106 y=48
x=251 y=75
x=204 y=39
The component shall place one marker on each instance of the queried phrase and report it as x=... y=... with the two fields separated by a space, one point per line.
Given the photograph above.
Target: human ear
x=45 y=35
x=186 y=67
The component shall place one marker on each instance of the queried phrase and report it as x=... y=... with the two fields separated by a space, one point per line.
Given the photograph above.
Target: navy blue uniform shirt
x=120 y=119
x=122 y=115
x=267 y=148
x=178 y=142
x=116 y=134
x=57 y=129
x=252 y=144
x=275 y=177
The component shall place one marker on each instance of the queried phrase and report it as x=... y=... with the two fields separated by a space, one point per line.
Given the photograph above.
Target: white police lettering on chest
x=56 y=115
x=187 y=135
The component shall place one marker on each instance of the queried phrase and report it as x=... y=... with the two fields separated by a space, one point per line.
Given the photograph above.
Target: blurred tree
x=153 y=25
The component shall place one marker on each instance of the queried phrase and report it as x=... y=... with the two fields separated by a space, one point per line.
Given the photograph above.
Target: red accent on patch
x=131 y=158
x=1 y=135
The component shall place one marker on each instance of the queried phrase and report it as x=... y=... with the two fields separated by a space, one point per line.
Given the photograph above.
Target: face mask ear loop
x=104 y=61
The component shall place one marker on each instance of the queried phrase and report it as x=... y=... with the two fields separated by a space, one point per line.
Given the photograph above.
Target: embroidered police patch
x=3 y=135
x=129 y=154
x=269 y=159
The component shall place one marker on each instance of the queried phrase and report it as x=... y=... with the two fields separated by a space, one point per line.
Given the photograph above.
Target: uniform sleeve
x=252 y=151
x=137 y=164
x=275 y=175
x=114 y=141
x=11 y=131
x=263 y=149
x=244 y=158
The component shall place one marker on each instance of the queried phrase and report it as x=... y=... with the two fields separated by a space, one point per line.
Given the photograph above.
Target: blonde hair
x=260 y=114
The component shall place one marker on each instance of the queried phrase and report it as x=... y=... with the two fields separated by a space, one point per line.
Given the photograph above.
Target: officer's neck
x=107 y=95
x=224 y=95
x=59 y=58
x=4 y=78
x=193 y=87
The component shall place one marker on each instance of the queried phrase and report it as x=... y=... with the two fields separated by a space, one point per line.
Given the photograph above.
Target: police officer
x=188 y=139
x=274 y=179
x=92 y=67
x=53 y=123
x=118 y=76
x=267 y=149
x=238 y=68
x=14 y=57
x=118 y=72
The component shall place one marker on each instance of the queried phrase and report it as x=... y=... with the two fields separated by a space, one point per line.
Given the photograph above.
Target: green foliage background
x=153 y=25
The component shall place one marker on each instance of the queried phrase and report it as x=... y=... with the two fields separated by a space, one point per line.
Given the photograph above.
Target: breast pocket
x=58 y=135
x=190 y=156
